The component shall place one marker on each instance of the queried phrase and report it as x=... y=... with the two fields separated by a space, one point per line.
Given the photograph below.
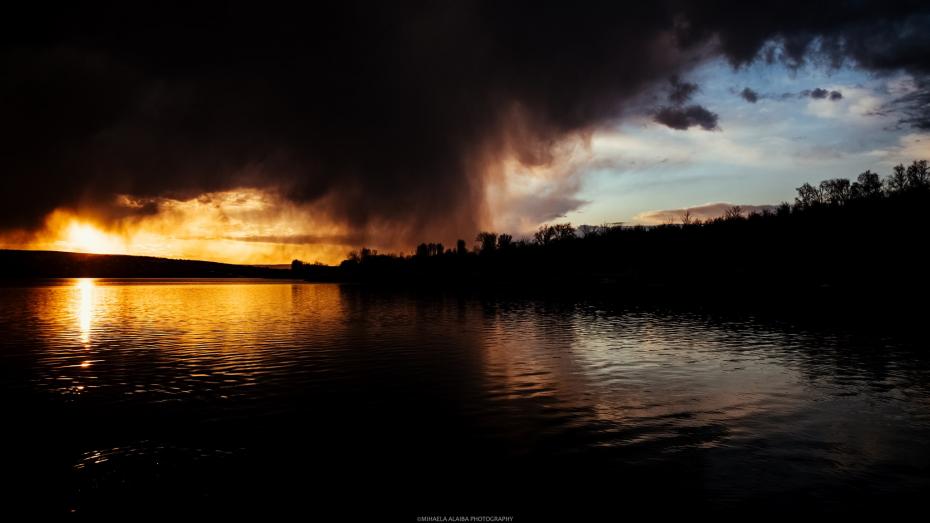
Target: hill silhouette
x=55 y=264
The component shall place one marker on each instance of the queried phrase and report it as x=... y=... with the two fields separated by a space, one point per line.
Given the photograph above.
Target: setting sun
x=83 y=237
x=245 y=226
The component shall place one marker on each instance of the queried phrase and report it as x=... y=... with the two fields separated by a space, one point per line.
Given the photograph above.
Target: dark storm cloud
x=879 y=36
x=681 y=92
x=912 y=107
x=388 y=113
x=819 y=93
x=683 y=118
x=679 y=117
x=916 y=110
x=752 y=96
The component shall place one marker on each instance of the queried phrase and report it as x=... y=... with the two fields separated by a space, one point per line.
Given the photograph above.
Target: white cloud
x=859 y=105
x=913 y=146
x=707 y=211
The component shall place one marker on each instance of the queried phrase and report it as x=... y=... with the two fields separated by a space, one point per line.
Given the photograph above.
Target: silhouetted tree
x=504 y=241
x=590 y=231
x=897 y=180
x=917 y=175
x=835 y=191
x=686 y=218
x=867 y=186
x=733 y=213
x=544 y=235
x=487 y=241
x=564 y=231
x=839 y=227
x=808 y=196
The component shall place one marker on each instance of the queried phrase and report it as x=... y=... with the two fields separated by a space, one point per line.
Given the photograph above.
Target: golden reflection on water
x=169 y=338
x=540 y=376
x=85 y=311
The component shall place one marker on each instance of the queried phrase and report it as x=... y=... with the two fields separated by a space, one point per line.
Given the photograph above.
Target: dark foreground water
x=139 y=397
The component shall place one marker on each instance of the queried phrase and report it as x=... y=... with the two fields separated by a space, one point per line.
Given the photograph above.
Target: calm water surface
x=144 y=395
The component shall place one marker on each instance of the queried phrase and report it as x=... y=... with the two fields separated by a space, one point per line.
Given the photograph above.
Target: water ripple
x=157 y=373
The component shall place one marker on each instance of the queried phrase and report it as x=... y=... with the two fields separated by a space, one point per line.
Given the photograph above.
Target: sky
x=253 y=133
x=760 y=152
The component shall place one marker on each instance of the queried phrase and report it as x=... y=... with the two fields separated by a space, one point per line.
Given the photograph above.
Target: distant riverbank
x=20 y=264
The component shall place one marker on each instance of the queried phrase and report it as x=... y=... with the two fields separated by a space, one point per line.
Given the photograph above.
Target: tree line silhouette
x=862 y=236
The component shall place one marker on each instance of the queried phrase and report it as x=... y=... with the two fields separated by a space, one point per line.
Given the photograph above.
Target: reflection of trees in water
x=824 y=344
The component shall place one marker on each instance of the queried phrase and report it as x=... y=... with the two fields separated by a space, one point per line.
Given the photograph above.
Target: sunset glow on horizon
x=243 y=227
x=84 y=237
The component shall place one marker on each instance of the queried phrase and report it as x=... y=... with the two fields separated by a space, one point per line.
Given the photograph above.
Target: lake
x=135 y=396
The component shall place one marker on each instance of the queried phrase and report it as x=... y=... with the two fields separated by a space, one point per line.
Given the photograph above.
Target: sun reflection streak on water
x=85 y=311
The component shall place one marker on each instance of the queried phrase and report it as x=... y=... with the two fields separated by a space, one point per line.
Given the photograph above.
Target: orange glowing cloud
x=81 y=236
x=251 y=225
x=248 y=226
